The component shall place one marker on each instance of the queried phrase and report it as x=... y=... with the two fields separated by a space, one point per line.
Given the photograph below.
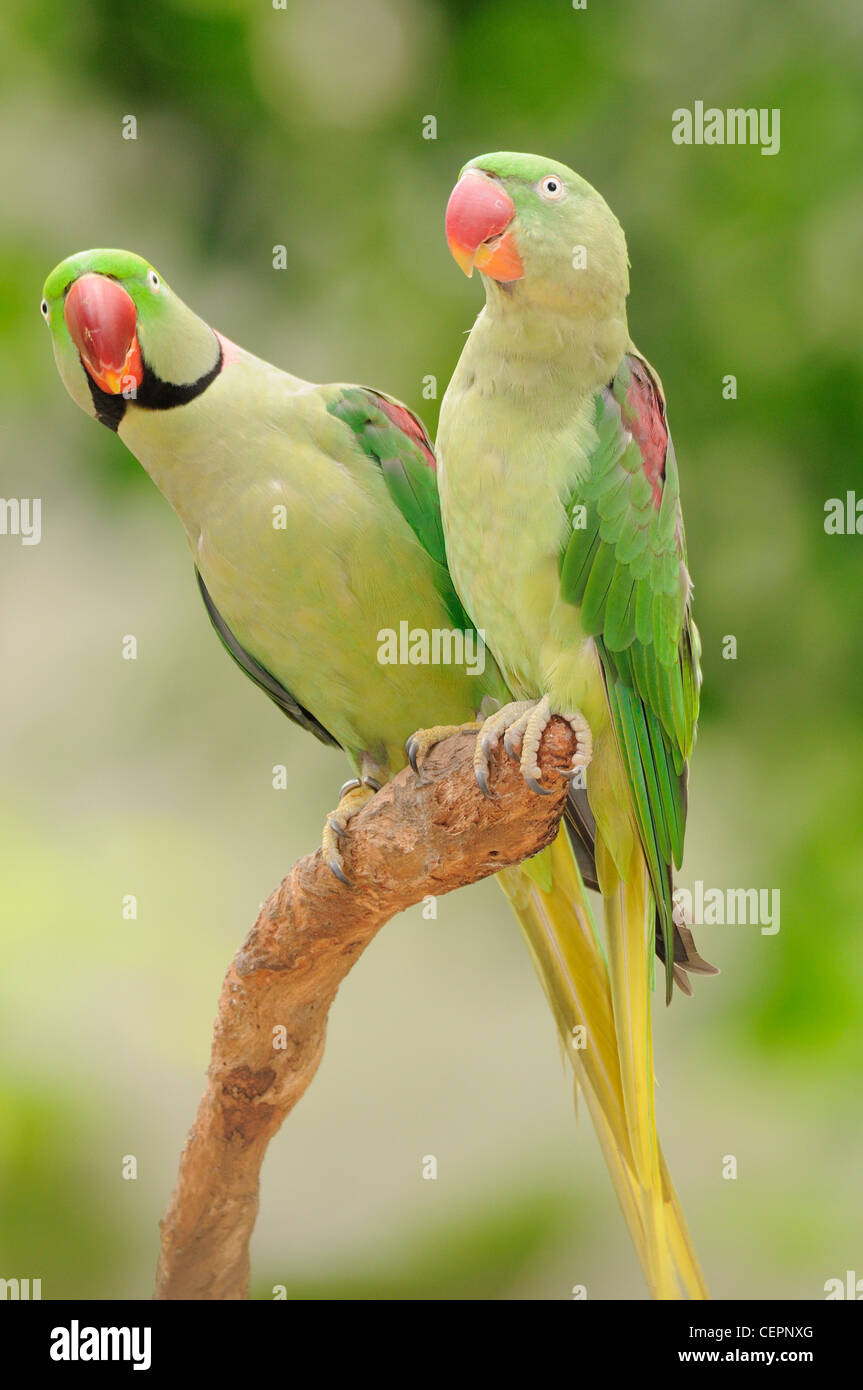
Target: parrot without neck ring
x=553 y=432
x=560 y=501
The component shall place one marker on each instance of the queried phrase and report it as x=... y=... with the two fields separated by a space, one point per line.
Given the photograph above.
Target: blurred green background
x=304 y=127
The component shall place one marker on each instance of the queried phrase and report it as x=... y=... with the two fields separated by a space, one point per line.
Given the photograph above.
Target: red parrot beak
x=478 y=214
x=102 y=321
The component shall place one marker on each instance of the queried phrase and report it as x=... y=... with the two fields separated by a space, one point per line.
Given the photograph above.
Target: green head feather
x=175 y=344
x=571 y=245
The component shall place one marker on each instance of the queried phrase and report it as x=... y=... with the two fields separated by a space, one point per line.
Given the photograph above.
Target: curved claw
x=535 y=787
x=481 y=775
x=509 y=749
x=337 y=829
x=411 y=750
x=488 y=743
x=336 y=869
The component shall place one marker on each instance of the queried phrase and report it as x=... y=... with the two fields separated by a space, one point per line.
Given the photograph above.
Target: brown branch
x=413 y=839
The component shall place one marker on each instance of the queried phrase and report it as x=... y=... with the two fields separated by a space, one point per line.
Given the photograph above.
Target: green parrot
x=313 y=518
x=560 y=503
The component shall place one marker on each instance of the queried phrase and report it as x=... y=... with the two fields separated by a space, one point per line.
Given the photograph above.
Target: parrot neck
x=201 y=453
x=548 y=354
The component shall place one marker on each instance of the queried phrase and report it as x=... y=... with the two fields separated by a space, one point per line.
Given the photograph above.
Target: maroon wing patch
x=645 y=414
x=407 y=422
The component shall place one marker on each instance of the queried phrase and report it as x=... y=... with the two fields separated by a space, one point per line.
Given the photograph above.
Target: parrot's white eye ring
x=44 y=310
x=153 y=281
x=552 y=188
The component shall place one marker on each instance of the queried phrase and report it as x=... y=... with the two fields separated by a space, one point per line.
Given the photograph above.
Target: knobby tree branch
x=415 y=838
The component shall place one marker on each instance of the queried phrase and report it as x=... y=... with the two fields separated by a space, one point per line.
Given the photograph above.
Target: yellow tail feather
x=626 y=908
x=558 y=926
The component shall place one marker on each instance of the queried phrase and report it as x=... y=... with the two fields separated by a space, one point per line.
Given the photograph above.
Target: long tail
x=557 y=923
x=628 y=915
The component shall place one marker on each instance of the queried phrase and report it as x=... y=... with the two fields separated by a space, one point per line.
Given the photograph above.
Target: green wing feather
x=392 y=436
x=625 y=566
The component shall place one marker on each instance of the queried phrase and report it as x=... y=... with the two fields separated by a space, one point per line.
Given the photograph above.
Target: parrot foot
x=420 y=744
x=353 y=796
x=523 y=723
x=511 y=716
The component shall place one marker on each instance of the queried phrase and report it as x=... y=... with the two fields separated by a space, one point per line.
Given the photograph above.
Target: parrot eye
x=153 y=281
x=552 y=188
x=43 y=308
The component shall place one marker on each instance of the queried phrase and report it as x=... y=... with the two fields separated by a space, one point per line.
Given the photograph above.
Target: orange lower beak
x=102 y=323
x=499 y=258
x=128 y=375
